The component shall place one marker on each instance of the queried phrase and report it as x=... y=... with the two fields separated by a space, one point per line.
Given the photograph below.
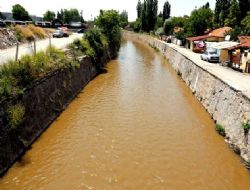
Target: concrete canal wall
x=228 y=105
x=43 y=102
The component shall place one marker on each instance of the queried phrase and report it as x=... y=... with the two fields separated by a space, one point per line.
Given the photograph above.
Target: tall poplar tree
x=244 y=8
x=139 y=8
x=166 y=10
x=234 y=14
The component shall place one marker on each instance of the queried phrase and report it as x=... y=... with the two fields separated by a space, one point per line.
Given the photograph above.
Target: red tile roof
x=198 y=38
x=244 y=41
x=220 y=32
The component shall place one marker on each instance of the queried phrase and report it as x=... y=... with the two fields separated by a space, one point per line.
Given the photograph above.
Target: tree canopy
x=166 y=10
x=200 y=20
x=49 y=16
x=124 y=18
x=109 y=22
x=19 y=13
x=70 y=15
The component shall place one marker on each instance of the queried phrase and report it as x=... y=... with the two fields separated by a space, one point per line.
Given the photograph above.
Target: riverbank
x=43 y=102
x=224 y=93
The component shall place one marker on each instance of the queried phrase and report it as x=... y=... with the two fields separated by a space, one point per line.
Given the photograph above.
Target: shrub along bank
x=35 y=89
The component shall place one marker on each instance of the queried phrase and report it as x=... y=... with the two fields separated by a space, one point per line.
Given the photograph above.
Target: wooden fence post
x=17 y=51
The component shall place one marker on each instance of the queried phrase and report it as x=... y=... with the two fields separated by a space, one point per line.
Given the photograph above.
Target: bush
x=29 y=32
x=109 y=22
x=15 y=76
x=37 y=31
x=97 y=41
x=16 y=115
x=23 y=32
x=220 y=130
x=81 y=47
x=246 y=126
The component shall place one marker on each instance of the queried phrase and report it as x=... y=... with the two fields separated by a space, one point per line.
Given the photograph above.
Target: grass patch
x=16 y=115
x=16 y=76
x=154 y=47
x=220 y=130
x=246 y=126
x=29 y=32
x=37 y=31
x=23 y=33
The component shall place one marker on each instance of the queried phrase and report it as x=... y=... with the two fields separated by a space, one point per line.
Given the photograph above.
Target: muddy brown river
x=136 y=127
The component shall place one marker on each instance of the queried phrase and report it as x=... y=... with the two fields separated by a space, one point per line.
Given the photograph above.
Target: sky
x=91 y=8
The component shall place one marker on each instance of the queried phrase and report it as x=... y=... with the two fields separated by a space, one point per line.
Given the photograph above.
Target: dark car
x=80 y=31
x=58 y=34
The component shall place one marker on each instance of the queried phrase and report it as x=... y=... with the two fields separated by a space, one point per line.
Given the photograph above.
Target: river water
x=135 y=127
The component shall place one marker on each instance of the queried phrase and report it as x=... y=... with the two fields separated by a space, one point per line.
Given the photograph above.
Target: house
x=217 y=35
x=239 y=55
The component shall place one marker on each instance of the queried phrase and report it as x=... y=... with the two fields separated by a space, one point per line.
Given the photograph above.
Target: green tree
x=60 y=15
x=139 y=8
x=159 y=23
x=234 y=14
x=19 y=13
x=221 y=12
x=235 y=32
x=49 y=16
x=244 y=8
x=217 y=12
x=200 y=20
x=169 y=25
x=246 y=24
x=166 y=10
x=136 y=25
x=109 y=22
x=144 y=20
x=124 y=18
x=71 y=15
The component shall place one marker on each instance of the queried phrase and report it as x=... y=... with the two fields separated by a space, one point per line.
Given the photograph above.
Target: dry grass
x=24 y=33
x=29 y=32
x=37 y=31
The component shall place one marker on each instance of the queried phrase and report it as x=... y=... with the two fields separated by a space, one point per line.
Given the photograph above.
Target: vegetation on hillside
x=16 y=76
x=29 y=32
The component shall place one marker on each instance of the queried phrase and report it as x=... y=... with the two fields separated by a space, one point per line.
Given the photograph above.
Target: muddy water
x=135 y=127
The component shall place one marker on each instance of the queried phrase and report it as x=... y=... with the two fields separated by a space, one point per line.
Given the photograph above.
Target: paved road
x=24 y=49
x=237 y=80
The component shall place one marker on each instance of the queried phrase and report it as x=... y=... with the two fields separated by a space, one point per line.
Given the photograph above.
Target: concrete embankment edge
x=227 y=106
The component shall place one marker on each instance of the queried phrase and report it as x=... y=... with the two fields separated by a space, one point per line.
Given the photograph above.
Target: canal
x=135 y=127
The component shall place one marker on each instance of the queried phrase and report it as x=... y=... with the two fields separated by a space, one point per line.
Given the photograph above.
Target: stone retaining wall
x=43 y=103
x=226 y=105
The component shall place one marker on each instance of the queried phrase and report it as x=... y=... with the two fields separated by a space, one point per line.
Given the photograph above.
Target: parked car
x=58 y=34
x=80 y=31
x=64 y=31
x=210 y=56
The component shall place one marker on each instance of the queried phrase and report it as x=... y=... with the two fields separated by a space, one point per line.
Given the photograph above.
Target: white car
x=210 y=56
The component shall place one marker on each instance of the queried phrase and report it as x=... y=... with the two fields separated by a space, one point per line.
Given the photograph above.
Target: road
x=8 y=54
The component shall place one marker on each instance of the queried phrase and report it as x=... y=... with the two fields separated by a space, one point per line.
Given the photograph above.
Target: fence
x=19 y=50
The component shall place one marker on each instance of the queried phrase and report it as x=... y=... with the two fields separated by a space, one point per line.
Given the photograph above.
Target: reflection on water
x=135 y=127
